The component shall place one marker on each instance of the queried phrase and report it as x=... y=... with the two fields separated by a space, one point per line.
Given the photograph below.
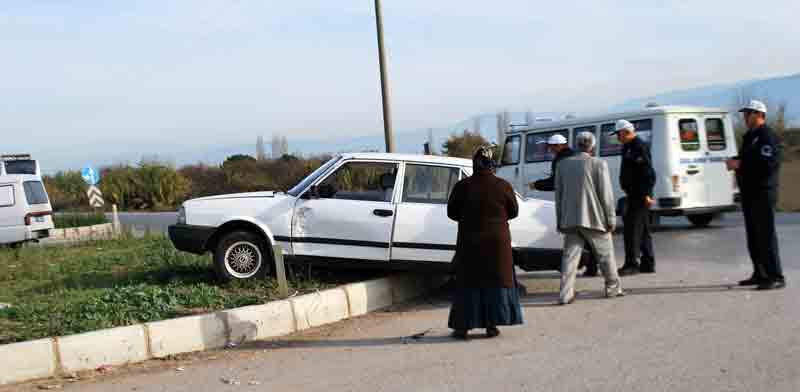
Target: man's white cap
x=754 y=106
x=555 y=139
x=623 y=125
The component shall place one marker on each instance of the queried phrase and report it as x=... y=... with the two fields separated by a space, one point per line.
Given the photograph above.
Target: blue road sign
x=90 y=175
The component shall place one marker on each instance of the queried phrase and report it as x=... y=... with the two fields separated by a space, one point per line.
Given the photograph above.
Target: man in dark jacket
x=558 y=146
x=757 y=170
x=637 y=179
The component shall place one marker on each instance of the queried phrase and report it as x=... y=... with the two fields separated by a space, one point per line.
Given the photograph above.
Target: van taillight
x=29 y=217
x=676 y=183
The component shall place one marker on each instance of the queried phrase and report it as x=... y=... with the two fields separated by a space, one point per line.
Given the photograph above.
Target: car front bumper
x=191 y=238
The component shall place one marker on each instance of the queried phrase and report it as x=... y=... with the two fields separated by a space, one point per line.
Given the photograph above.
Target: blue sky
x=82 y=80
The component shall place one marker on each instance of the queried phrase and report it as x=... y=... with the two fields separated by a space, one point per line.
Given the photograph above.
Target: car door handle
x=383 y=213
x=692 y=172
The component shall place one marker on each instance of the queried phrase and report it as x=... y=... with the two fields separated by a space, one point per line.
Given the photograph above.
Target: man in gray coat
x=585 y=213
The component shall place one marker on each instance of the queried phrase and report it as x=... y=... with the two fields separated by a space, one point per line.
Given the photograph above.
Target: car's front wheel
x=241 y=255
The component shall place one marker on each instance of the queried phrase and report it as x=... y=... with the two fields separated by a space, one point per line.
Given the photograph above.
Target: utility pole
x=387 y=113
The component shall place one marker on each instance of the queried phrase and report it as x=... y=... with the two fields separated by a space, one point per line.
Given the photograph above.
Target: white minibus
x=25 y=211
x=689 y=146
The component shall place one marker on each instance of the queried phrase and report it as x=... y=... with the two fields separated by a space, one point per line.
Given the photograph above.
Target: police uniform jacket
x=548 y=184
x=760 y=161
x=637 y=176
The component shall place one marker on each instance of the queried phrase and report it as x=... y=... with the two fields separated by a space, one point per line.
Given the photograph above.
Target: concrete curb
x=44 y=358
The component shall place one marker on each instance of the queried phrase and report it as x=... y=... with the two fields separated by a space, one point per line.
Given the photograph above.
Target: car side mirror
x=313 y=193
x=326 y=191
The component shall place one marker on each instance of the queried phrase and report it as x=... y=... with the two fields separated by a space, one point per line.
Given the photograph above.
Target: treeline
x=154 y=185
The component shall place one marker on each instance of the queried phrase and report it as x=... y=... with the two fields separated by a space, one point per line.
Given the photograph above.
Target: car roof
x=649 y=111
x=418 y=158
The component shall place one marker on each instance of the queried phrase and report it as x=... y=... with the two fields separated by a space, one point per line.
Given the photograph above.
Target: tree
x=238 y=158
x=463 y=145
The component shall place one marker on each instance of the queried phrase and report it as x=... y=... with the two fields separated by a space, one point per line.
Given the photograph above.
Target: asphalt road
x=685 y=328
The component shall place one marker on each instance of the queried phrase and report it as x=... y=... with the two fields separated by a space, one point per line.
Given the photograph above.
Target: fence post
x=115 y=220
x=280 y=271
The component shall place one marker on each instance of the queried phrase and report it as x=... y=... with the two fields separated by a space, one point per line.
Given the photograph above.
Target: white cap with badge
x=554 y=140
x=754 y=106
x=623 y=125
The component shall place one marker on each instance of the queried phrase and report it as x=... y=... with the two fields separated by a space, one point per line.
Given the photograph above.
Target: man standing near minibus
x=558 y=146
x=757 y=171
x=637 y=179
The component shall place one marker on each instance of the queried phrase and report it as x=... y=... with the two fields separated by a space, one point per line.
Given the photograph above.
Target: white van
x=25 y=211
x=689 y=146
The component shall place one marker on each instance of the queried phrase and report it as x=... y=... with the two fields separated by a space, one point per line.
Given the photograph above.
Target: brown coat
x=482 y=205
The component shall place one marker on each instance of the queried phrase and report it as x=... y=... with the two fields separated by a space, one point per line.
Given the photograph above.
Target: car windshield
x=300 y=187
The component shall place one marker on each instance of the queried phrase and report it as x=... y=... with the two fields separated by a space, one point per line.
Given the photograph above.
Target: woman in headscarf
x=486 y=293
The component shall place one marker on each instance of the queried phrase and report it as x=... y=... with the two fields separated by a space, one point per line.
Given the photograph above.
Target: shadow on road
x=421 y=338
x=551 y=299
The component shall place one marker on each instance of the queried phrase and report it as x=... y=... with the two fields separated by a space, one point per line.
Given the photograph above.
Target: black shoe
x=492 y=332
x=752 y=281
x=628 y=270
x=647 y=269
x=771 y=285
x=460 y=334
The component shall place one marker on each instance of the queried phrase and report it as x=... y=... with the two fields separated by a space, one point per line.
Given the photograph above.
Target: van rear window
x=690 y=139
x=715 y=134
x=24 y=166
x=6 y=195
x=35 y=193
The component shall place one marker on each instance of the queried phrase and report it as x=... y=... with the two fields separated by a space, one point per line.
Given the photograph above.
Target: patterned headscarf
x=482 y=159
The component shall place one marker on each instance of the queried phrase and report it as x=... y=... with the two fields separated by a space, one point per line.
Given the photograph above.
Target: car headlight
x=182 y=215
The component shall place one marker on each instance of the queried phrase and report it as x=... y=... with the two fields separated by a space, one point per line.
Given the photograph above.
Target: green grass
x=56 y=291
x=78 y=219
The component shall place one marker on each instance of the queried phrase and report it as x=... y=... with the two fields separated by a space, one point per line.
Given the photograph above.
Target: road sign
x=95 y=197
x=90 y=175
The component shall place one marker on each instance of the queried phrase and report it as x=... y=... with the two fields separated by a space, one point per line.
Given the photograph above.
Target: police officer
x=757 y=168
x=558 y=146
x=637 y=179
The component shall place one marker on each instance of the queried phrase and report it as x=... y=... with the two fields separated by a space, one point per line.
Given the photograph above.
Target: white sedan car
x=367 y=210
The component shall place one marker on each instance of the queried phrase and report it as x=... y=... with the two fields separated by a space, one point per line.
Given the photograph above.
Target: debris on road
x=104 y=369
x=179 y=369
x=253 y=383
x=50 y=387
x=230 y=381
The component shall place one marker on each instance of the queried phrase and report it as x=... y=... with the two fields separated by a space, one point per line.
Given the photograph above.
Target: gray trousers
x=603 y=249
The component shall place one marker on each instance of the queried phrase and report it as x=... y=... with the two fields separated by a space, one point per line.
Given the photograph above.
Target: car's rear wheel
x=701 y=220
x=241 y=255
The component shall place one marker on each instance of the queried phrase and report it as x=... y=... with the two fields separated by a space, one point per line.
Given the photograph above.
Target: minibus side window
x=644 y=130
x=609 y=144
x=690 y=139
x=536 y=146
x=511 y=151
x=715 y=134
x=35 y=193
x=7 y=196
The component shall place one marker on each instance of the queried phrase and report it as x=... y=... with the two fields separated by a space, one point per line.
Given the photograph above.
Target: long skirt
x=485 y=308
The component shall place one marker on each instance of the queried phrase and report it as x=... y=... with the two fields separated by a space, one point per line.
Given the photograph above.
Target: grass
x=789 y=194
x=56 y=291
x=78 y=219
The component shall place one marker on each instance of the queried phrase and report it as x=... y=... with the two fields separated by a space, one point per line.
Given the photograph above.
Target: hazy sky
x=76 y=75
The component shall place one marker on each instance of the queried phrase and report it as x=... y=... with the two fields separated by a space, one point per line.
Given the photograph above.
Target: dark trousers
x=638 y=241
x=762 y=241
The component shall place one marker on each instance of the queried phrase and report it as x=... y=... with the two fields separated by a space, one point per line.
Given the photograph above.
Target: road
x=686 y=328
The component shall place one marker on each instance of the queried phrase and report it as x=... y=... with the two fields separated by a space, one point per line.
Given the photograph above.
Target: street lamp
x=387 y=113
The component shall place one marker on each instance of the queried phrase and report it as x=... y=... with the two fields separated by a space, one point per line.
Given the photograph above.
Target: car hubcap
x=243 y=260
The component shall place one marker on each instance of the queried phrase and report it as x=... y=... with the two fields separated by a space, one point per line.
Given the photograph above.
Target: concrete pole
x=387 y=113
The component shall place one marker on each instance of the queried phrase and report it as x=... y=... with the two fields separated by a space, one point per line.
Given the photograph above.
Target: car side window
x=7 y=196
x=365 y=181
x=428 y=184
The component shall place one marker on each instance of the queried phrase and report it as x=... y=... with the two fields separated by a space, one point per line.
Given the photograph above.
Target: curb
x=84 y=233
x=36 y=359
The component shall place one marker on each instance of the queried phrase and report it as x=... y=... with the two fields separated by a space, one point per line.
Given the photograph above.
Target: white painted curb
x=50 y=357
